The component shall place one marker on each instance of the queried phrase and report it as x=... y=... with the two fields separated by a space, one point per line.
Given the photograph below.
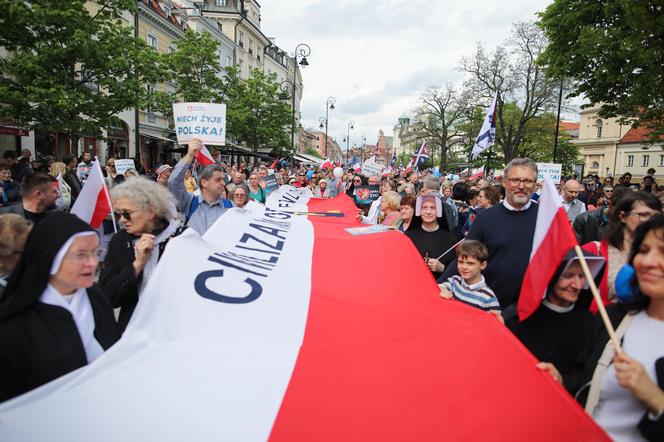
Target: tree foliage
x=194 y=69
x=441 y=108
x=71 y=65
x=255 y=113
x=613 y=51
x=511 y=71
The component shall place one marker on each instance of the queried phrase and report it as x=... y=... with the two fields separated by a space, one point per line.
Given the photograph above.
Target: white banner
x=206 y=121
x=553 y=171
x=211 y=346
x=371 y=167
x=121 y=165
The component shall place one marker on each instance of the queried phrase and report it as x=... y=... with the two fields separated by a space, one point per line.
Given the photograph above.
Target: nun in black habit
x=52 y=319
x=562 y=330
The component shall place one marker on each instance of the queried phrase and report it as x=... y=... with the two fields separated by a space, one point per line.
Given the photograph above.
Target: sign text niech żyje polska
x=206 y=121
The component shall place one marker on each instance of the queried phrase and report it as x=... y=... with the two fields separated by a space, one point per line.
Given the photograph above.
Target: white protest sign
x=123 y=165
x=371 y=167
x=206 y=121
x=554 y=171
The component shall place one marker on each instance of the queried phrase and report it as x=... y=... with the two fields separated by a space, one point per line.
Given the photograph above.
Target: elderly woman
x=626 y=390
x=429 y=232
x=239 y=196
x=144 y=209
x=319 y=191
x=390 y=205
x=406 y=210
x=53 y=320
x=64 y=198
x=14 y=230
x=630 y=212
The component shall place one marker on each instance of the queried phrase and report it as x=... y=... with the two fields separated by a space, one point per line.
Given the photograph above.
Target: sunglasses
x=126 y=214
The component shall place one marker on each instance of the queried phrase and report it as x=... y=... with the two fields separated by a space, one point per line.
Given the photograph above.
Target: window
x=661 y=160
x=220 y=2
x=630 y=160
x=240 y=38
x=594 y=165
x=229 y=60
x=167 y=10
x=598 y=124
x=646 y=161
x=171 y=49
x=152 y=41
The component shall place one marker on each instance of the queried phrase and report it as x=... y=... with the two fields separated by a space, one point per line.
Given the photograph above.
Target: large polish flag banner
x=259 y=330
x=93 y=204
x=553 y=239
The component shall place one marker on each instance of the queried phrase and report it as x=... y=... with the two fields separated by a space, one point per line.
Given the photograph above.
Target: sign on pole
x=206 y=121
x=551 y=170
x=371 y=167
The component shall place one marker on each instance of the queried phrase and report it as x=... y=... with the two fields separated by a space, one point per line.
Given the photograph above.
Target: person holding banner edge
x=200 y=211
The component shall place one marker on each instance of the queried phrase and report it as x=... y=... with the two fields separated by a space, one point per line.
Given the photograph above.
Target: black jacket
x=589 y=226
x=74 y=183
x=42 y=343
x=118 y=279
x=652 y=431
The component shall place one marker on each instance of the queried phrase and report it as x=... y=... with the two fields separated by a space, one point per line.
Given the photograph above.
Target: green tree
x=71 y=64
x=511 y=71
x=441 y=108
x=195 y=71
x=613 y=51
x=539 y=139
x=255 y=114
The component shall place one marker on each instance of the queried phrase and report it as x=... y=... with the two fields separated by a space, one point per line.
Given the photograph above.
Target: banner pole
x=598 y=299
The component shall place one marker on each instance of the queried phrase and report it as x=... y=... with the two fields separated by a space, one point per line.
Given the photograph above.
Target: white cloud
x=377 y=57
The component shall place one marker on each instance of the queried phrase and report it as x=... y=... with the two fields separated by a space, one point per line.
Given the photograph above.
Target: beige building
x=637 y=154
x=598 y=143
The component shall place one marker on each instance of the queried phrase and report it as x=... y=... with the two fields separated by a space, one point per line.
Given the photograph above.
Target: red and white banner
x=261 y=330
x=93 y=204
x=553 y=239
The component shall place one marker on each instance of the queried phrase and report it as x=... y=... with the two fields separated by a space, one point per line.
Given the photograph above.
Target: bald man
x=572 y=205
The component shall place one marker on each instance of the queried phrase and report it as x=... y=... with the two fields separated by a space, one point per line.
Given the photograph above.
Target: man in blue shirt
x=200 y=211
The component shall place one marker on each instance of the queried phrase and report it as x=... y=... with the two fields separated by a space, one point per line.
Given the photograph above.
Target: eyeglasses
x=643 y=216
x=516 y=181
x=111 y=165
x=357 y=181
x=240 y=195
x=82 y=257
x=126 y=214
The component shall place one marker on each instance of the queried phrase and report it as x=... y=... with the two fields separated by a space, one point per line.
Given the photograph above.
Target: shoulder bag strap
x=603 y=364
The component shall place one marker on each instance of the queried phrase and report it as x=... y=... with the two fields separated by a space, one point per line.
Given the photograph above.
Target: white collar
x=476 y=286
x=81 y=311
x=557 y=308
x=513 y=209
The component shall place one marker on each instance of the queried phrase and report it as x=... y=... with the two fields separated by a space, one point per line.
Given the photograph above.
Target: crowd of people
x=68 y=291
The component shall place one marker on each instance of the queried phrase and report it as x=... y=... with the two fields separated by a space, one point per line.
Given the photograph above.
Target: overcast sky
x=376 y=57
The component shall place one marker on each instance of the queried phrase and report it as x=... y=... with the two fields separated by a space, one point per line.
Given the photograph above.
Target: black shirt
x=433 y=244
x=34 y=217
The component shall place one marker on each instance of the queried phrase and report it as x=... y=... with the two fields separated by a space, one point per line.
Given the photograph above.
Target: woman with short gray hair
x=145 y=210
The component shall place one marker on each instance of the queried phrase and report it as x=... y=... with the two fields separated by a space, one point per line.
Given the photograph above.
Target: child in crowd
x=469 y=286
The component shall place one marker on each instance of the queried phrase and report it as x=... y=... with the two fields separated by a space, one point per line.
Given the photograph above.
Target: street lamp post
x=302 y=51
x=350 y=126
x=364 y=140
x=323 y=124
x=329 y=105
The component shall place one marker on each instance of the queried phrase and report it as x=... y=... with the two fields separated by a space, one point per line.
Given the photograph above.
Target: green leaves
x=613 y=51
x=72 y=64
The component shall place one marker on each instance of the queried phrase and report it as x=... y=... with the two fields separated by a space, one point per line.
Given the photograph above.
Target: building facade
x=598 y=141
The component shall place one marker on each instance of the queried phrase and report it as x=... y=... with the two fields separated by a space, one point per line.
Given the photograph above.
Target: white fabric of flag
x=487 y=133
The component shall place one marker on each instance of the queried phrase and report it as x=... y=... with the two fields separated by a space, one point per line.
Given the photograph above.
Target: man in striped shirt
x=469 y=286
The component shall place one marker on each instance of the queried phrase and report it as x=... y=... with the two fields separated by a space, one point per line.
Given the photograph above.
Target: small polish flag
x=357 y=167
x=58 y=182
x=553 y=239
x=327 y=164
x=94 y=202
x=204 y=157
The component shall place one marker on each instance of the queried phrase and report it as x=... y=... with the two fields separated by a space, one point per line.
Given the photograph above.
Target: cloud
x=376 y=58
